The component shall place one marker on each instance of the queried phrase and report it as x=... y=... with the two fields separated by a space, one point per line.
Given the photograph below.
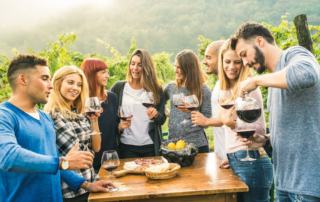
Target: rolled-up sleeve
x=302 y=69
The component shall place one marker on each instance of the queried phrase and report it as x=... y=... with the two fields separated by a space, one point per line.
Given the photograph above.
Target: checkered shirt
x=69 y=132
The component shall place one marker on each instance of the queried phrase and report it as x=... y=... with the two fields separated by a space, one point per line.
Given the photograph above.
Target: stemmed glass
x=192 y=103
x=110 y=161
x=245 y=130
x=124 y=113
x=147 y=100
x=177 y=101
x=92 y=105
x=226 y=99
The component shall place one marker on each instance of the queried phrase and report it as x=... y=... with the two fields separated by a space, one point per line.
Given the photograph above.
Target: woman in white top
x=143 y=137
x=257 y=174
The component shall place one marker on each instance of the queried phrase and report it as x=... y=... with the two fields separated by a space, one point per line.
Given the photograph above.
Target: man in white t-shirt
x=211 y=61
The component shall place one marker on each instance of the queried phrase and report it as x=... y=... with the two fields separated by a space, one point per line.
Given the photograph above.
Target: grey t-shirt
x=195 y=134
x=295 y=124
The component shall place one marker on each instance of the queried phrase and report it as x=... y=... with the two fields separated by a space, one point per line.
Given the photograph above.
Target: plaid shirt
x=69 y=132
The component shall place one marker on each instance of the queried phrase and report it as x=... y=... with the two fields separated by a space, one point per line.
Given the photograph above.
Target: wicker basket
x=173 y=169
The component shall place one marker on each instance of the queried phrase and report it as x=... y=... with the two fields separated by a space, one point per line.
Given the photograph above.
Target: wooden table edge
x=164 y=195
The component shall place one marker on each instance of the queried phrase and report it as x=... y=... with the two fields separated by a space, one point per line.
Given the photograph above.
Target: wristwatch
x=64 y=163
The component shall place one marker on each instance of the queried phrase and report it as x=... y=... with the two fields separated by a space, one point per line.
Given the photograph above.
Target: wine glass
x=226 y=98
x=125 y=112
x=92 y=106
x=110 y=161
x=147 y=100
x=245 y=130
x=192 y=103
x=177 y=101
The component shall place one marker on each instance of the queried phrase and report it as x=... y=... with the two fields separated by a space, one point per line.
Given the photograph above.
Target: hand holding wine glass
x=191 y=103
x=147 y=100
x=92 y=107
x=110 y=162
x=125 y=115
x=245 y=130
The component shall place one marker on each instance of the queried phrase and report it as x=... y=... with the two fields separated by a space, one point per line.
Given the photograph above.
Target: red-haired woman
x=96 y=72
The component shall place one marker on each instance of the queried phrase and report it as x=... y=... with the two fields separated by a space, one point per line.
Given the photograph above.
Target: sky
x=26 y=14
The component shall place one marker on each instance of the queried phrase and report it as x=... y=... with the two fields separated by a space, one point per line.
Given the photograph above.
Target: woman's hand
x=95 y=116
x=152 y=113
x=254 y=142
x=183 y=109
x=225 y=116
x=224 y=164
x=198 y=118
x=125 y=123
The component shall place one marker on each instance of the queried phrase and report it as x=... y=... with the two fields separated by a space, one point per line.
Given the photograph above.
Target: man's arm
x=302 y=71
x=17 y=159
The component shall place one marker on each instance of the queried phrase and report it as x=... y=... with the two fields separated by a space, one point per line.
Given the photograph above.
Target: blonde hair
x=245 y=72
x=192 y=73
x=149 y=80
x=57 y=102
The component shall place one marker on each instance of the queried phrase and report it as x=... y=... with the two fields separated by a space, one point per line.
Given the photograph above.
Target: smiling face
x=102 y=77
x=232 y=64
x=251 y=55
x=211 y=61
x=39 y=85
x=71 y=87
x=178 y=71
x=136 y=67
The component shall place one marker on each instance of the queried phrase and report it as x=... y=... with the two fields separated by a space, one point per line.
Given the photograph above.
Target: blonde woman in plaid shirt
x=66 y=107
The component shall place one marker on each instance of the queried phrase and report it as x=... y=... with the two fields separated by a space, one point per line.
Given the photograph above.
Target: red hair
x=90 y=67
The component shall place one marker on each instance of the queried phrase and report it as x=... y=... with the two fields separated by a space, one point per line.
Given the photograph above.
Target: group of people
x=55 y=151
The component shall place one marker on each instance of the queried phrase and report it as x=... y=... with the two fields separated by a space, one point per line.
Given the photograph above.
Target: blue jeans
x=282 y=196
x=257 y=175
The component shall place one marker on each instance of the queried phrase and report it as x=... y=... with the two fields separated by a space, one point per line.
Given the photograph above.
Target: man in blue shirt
x=294 y=109
x=29 y=159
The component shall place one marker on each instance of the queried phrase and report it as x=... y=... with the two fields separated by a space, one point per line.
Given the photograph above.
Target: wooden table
x=202 y=181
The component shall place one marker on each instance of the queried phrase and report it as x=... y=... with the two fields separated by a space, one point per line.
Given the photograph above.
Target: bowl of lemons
x=179 y=151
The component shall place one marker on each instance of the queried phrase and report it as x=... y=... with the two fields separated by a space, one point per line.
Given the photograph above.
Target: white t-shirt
x=218 y=132
x=35 y=115
x=140 y=122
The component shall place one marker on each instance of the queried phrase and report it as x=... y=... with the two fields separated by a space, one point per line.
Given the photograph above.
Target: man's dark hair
x=250 y=30
x=20 y=64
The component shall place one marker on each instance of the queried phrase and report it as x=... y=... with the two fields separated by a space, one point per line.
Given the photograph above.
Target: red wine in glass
x=110 y=168
x=147 y=105
x=227 y=106
x=192 y=108
x=124 y=117
x=246 y=133
x=250 y=115
x=92 y=106
x=110 y=161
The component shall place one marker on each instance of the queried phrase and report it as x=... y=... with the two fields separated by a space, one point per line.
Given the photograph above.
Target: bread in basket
x=156 y=172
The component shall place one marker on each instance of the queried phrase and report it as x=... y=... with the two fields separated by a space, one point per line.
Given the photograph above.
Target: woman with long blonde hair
x=143 y=137
x=257 y=174
x=66 y=107
x=190 y=80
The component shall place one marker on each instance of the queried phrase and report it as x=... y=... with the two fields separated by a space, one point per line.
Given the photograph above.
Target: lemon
x=180 y=144
x=171 y=145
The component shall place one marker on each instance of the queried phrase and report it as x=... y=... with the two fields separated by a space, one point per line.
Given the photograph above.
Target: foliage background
x=60 y=54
